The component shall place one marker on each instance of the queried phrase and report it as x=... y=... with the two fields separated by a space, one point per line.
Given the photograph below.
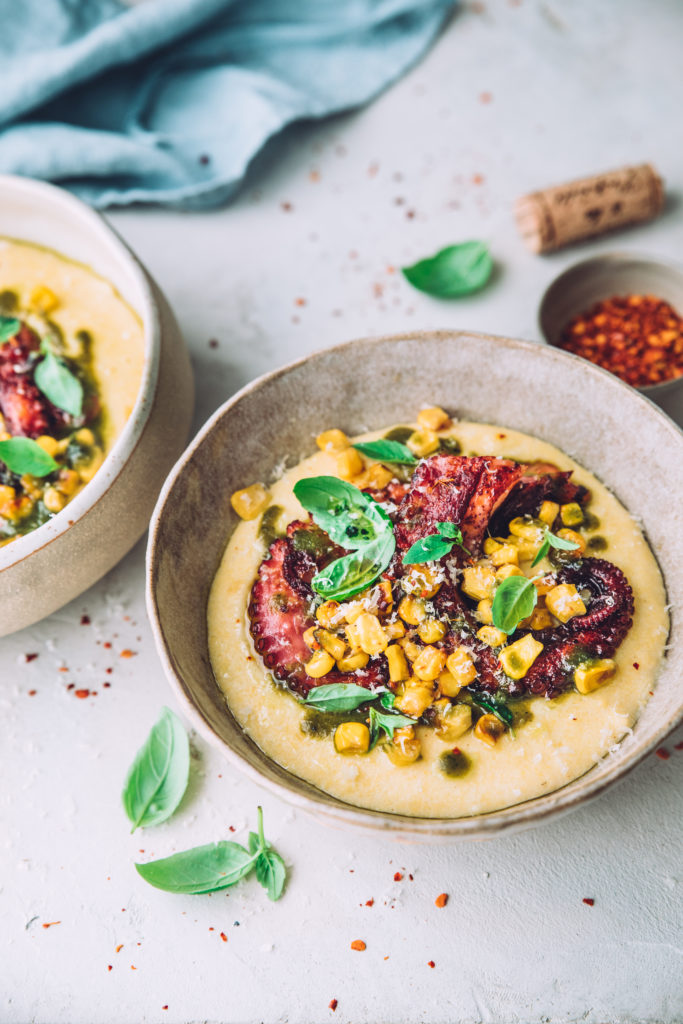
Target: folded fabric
x=167 y=101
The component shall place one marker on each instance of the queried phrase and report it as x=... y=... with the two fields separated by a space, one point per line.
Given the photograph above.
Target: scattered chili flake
x=211 y=928
x=663 y=753
x=63 y=668
x=213 y=342
x=232 y=828
x=678 y=746
x=410 y=877
x=637 y=337
x=588 y=901
x=106 y=685
x=501 y=436
x=32 y=693
x=287 y=207
x=107 y=645
x=369 y=903
x=441 y=900
x=358 y=945
x=165 y=1007
x=224 y=937
x=455 y=750
x=126 y=653
x=636 y=665
x=410 y=214
x=133 y=967
x=48 y=924
x=398 y=877
x=109 y=967
x=299 y=302
x=82 y=694
x=119 y=948
x=333 y=1004
x=109 y=671
x=85 y=620
x=314 y=176
x=477 y=179
x=204 y=159
x=30 y=657
x=430 y=963
x=485 y=97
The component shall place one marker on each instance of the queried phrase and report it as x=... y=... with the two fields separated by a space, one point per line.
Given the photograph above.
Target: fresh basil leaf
x=542 y=551
x=355 y=572
x=271 y=873
x=350 y=517
x=338 y=697
x=387 y=451
x=454 y=271
x=450 y=530
x=387 y=700
x=514 y=600
x=201 y=869
x=59 y=385
x=561 y=543
x=494 y=707
x=9 y=326
x=428 y=549
x=158 y=777
x=22 y=455
x=386 y=723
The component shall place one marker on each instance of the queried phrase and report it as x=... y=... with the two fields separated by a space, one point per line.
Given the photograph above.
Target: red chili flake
x=231 y=827
x=398 y=877
x=126 y=653
x=441 y=900
x=501 y=436
x=588 y=901
x=314 y=176
x=386 y=957
x=358 y=945
x=410 y=214
x=299 y=302
x=85 y=620
x=119 y=948
x=109 y=671
x=133 y=967
x=663 y=753
x=204 y=159
x=637 y=337
x=30 y=657
x=165 y=1007
x=410 y=877
x=32 y=693
x=287 y=207
x=107 y=645
x=477 y=179
x=455 y=750
x=369 y=903
x=82 y=694
x=678 y=746
x=211 y=928
x=636 y=665
x=485 y=97
x=63 y=668
x=333 y=1004
x=430 y=963
x=109 y=967
x=48 y=924
x=213 y=343
x=106 y=685
x=224 y=937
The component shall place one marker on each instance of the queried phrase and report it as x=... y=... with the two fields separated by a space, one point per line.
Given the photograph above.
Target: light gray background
x=575 y=88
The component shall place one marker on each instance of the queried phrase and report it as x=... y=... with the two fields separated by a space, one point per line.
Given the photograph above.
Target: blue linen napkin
x=167 y=101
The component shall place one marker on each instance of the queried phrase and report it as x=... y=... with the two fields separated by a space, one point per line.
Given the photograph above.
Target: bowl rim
x=503 y=821
x=616 y=257
x=125 y=444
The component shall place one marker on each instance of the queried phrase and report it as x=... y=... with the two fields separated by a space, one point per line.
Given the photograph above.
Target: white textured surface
x=574 y=89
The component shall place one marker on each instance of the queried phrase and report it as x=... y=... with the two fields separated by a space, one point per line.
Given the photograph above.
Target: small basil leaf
x=355 y=572
x=514 y=600
x=387 y=700
x=271 y=872
x=454 y=271
x=494 y=707
x=450 y=530
x=561 y=543
x=386 y=723
x=158 y=776
x=254 y=843
x=59 y=385
x=338 y=697
x=387 y=451
x=542 y=551
x=9 y=326
x=201 y=869
x=22 y=455
x=350 y=517
x=428 y=549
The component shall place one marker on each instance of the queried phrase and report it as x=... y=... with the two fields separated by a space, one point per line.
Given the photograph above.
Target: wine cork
x=581 y=209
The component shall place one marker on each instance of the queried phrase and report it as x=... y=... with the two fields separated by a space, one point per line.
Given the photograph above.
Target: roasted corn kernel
x=54 y=500
x=485 y=612
x=423 y=580
x=433 y=418
x=508 y=570
x=489 y=729
x=398 y=666
x=43 y=299
x=352 y=738
x=506 y=554
x=478 y=581
x=48 y=444
x=491 y=636
x=327 y=614
x=571 y=514
x=452 y=720
x=462 y=669
x=423 y=443
x=394 y=629
x=371 y=637
x=431 y=630
x=564 y=601
x=412 y=610
x=429 y=663
x=349 y=464
x=404 y=748
x=540 y=618
x=332 y=441
x=415 y=698
x=250 y=502
x=491 y=545
x=593 y=674
x=319 y=664
x=331 y=643
x=549 y=512
x=517 y=658
x=353 y=661
x=310 y=638
x=575 y=538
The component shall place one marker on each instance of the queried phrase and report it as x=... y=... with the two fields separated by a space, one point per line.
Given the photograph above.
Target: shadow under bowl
x=366 y=385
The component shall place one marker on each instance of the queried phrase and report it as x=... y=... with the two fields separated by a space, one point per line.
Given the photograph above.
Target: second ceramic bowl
x=365 y=385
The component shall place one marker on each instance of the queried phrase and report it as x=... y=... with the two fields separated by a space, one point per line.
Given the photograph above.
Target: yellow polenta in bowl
x=479 y=648
x=95 y=398
x=452 y=644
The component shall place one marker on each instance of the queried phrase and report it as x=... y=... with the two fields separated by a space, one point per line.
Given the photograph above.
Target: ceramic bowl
x=45 y=569
x=615 y=273
x=365 y=385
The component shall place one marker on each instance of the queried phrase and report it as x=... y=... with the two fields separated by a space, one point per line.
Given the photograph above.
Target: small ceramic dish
x=44 y=569
x=366 y=385
x=583 y=284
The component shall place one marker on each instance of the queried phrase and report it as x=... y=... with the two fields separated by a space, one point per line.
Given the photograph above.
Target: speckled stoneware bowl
x=43 y=570
x=602 y=423
x=600 y=277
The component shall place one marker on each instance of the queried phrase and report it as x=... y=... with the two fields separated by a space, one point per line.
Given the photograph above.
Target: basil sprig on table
x=353 y=520
x=9 y=326
x=217 y=866
x=435 y=546
x=158 y=776
x=22 y=455
x=514 y=600
x=342 y=697
x=393 y=452
x=454 y=271
x=552 y=541
x=59 y=385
